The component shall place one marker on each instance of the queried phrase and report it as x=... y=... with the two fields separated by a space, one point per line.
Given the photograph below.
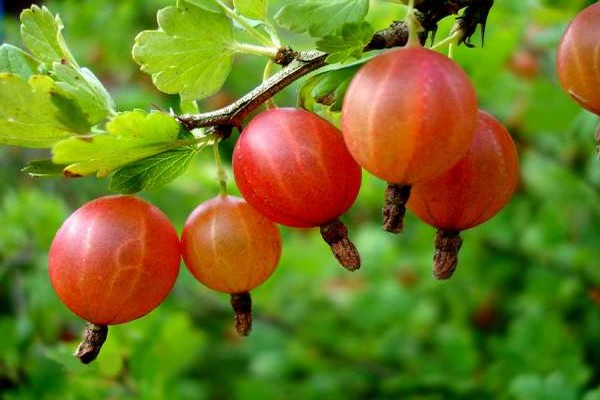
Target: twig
x=432 y=11
x=233 y=114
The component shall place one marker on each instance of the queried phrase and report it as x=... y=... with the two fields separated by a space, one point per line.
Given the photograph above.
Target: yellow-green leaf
x=36 y=112
x=41 y=33
x=130 y=136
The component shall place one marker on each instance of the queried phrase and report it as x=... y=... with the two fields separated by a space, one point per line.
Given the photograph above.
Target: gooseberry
x=578 y=59
x=113 y=260
x=408 y=115
x=471 y=192
x=293 y=167
x=231 y=248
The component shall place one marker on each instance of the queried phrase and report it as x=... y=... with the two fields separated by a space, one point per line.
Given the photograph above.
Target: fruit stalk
x=242 y=306
x=94 y=337
x=445 y=258
x=335 y=235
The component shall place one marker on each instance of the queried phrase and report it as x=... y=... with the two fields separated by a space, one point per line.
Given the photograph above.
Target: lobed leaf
x=253 y=9
x=209 y=5
x=44 y=168
x=130 y=136
x=16 y=61
x=191 y=53
x=41 y=33
x=89 y=93
x=321 y=18
x=152 y=172
x=327 y=88
x=36 y=112
x=347 y=45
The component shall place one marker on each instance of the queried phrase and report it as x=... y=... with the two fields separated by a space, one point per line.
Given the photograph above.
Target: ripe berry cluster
x=116 y=259
x=410 y=117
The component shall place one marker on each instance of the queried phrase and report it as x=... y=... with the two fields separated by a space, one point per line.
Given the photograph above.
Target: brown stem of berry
x=335 y=235
x=445 y=258
x=394 y=207
x=94 y=337
x=242 y=307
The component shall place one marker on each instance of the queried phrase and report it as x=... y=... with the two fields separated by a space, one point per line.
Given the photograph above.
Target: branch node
x=285 y=55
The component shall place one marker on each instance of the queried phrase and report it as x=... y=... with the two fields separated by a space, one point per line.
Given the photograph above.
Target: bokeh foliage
x=519 y=320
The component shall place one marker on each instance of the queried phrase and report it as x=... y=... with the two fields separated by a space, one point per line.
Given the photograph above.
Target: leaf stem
x=266 y=41
x=413 y=25
x=450 y=40
x=270 y=103
x=270 y=52
x=221 y=174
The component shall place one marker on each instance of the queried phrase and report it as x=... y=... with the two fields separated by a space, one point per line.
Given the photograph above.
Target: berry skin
x=409 y=114
x=578 y=59
x=114 y=259
x=471 y=192
x=228 y=246
x=231 y=248
x=293 y=167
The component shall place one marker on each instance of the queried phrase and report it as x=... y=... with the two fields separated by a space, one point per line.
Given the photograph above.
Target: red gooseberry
x=408 y=115
x=293 y=167
x=114 y=259
x=471 y=192
x=578 y=59
x=231 y=248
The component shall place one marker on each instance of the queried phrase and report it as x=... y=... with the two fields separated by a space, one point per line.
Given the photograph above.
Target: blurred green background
x=519 y=320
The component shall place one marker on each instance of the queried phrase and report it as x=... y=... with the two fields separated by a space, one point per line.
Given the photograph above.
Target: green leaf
x=253 y=9
x=348 y=45
x=327 y=89
x=210 y=5
x=130 y=136
x=86 y=89
x=152 y=172
x=321 y=18
x=191 y=54
x=41 y=33
x=37 y=113
x=15 y=60
x=43 y=168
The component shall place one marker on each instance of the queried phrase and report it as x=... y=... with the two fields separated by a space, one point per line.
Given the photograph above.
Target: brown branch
x=233 y=114
x=303 y=62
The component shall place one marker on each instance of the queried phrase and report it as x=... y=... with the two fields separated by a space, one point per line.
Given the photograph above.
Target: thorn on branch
x=475 y=14
x=430 y=12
